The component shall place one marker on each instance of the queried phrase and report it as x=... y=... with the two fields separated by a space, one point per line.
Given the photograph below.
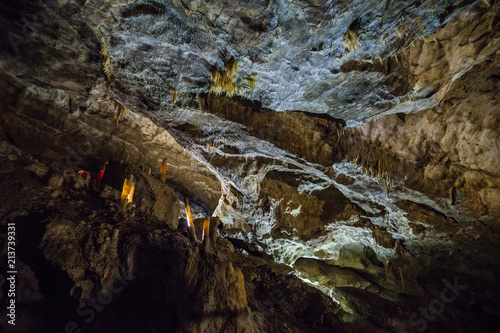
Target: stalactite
x=174 y=95
x=106 y=60
x=223 y=80
x=420 y=25
x=351 y=40
x=119 y=108
x=251 y=81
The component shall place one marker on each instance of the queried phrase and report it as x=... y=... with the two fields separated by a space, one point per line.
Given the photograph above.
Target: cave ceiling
x=355 y=142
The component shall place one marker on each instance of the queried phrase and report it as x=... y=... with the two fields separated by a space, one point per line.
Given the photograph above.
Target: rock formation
x=340 y=160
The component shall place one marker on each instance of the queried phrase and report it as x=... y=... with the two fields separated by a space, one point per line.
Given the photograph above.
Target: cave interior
x=250 y=166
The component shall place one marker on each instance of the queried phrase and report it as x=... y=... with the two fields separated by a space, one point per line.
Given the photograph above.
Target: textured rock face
x=357 y=142
x=81 y=259
x=45 y=122
x=456 y=142
x=297 y=213
x=288 y=53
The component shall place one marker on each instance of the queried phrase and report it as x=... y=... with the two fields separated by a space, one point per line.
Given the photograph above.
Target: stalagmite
x=99 y=176
x=163 y=170
x=190 y=220
x=130 y=196
x=206 y=235
x=206 y=226
x=127 y=192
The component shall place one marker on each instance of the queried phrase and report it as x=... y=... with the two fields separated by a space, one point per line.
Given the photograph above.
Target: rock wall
x=450 y=150
x=51 y=125
x=355 y=141
x=85 y=263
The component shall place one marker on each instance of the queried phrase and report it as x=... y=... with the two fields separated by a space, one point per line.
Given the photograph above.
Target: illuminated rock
x=127 y=192
x=163 y=170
